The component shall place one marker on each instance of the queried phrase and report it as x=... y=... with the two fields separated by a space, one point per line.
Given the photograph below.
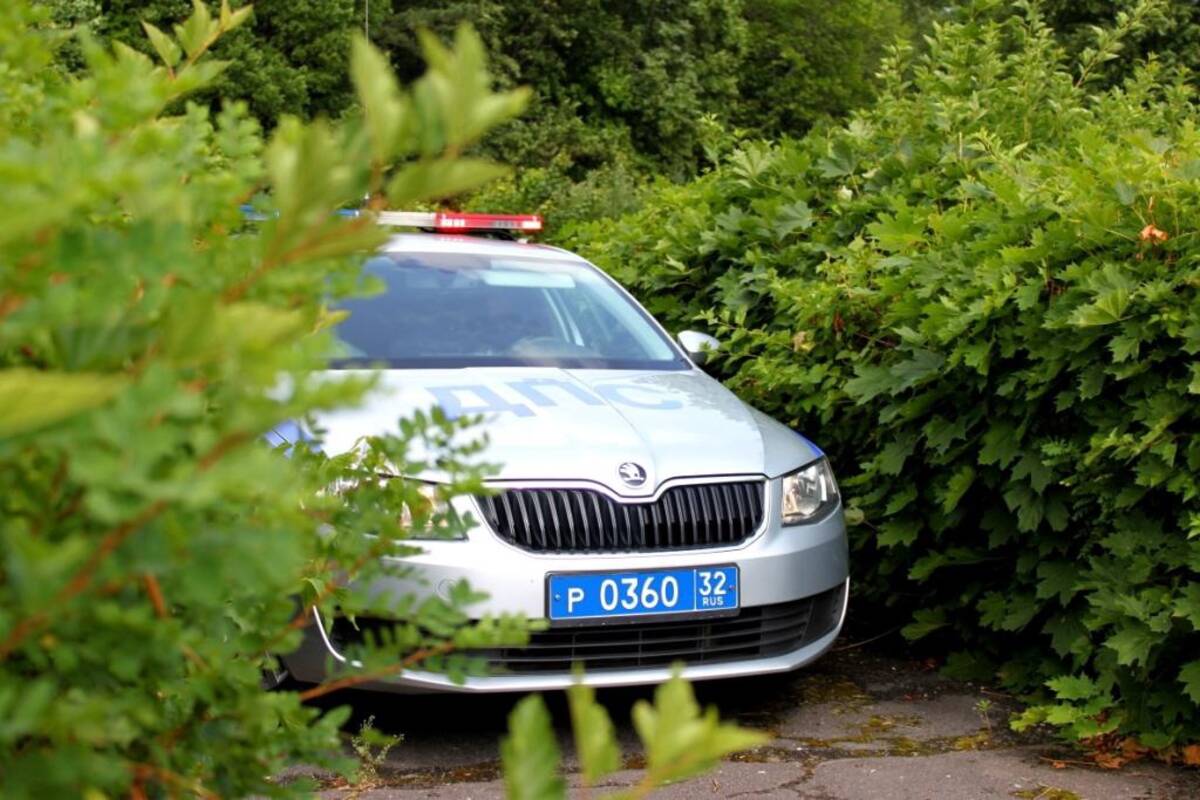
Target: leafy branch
x=680 y=741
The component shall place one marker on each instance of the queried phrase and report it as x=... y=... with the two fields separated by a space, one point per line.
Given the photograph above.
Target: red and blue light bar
x=462 y=221
x=440 y=221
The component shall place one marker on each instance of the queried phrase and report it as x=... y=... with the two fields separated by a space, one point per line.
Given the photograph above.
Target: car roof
x=475 y=245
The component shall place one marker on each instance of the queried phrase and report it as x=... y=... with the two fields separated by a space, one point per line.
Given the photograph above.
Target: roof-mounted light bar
x=448 y=221
x=442 y=221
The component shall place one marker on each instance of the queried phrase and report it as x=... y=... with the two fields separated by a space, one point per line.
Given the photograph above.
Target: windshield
x=442 y=310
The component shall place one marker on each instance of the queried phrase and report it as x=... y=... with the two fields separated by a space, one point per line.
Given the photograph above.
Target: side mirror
x=697 y=345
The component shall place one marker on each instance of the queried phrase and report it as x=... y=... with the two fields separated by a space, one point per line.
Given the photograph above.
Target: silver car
x=642 y=509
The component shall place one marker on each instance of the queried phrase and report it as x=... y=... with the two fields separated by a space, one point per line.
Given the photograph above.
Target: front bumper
x=777 y=566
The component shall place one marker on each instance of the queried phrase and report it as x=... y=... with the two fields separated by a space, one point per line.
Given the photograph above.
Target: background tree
x=811 y=61
x=291 y=56
x=611 y=79
x=1170 y=31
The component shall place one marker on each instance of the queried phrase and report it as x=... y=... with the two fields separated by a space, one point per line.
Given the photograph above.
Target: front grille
x=757 y=632
x=587 y=521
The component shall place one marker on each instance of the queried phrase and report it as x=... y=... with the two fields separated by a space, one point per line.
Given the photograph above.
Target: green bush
x=605 y=193
x=156 y=553
x=982 y=296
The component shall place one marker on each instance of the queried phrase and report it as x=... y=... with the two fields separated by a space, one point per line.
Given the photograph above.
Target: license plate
x=641 y=593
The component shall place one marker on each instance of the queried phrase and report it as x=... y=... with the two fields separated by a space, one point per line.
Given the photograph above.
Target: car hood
x=575 y=424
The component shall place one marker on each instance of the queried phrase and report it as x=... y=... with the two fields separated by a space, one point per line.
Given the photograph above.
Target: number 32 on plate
x=613 y=594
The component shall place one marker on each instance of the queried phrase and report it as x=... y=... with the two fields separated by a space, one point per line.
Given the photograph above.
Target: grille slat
x=655 y=527
x=598 y=522
x=586 y=521
x=528 y=529
x=691 y=521
x=739 y=498
x=721 y=521
x=555 y=526
x=569 y=513
x=730 y=509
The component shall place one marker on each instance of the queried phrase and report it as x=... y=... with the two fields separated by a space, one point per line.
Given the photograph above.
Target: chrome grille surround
x=688 y=516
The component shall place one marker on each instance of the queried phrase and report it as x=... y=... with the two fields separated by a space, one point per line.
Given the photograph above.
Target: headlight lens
x=435 y=515
x=423 y=512
x=808 y=493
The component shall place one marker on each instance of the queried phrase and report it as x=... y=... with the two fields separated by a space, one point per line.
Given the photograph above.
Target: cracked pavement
x=853 y=726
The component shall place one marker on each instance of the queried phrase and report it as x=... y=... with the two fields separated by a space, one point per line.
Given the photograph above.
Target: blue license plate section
x=602 y=595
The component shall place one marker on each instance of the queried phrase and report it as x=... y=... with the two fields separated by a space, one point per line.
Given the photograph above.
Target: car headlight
x=424 y=513
x=428 y=516
x=808 y=493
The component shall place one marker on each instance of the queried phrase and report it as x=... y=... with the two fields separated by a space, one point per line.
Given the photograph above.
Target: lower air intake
x=757 y=632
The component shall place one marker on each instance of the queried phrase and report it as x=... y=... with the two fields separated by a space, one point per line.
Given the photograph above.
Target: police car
x=642 y=510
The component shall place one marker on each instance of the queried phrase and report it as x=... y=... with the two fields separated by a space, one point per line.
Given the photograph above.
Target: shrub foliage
x=157 y=553
x=155 y=550
x=982 y=296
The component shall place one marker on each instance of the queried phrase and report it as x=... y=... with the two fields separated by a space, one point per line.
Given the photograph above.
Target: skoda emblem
x=633 y=474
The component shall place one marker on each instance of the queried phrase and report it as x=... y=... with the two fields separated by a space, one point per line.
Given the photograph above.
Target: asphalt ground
x=856 y=725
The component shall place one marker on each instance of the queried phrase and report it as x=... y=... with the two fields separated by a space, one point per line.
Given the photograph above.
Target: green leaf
x=595 y=739
x=923 y=364
x=231 y=19
x=925 y=621
x=32 y=399
x=679 y=740
x=895 y=453
x=1091 y=382
x=1020 y=610
x=901 y=500
x=1132 y=643
x=1058 y=578
x=198 y=31
x=1068 y=636
x=456 y=90
x=1031 y=466
x=1188 y=604
x=899 y=232
x=792 y=217
x=1189 y=676
x=1106 y=310
x=1073 y=687
x=1126 y=194
x=530 y=754
x=379 y=96
x=898 y=532
x=958 y=485
x=869 y=382
x=436 y=179
x=163 y=44
x=940 y=432
x=926 y=565
x=1124 y=348
x=1000 y=445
